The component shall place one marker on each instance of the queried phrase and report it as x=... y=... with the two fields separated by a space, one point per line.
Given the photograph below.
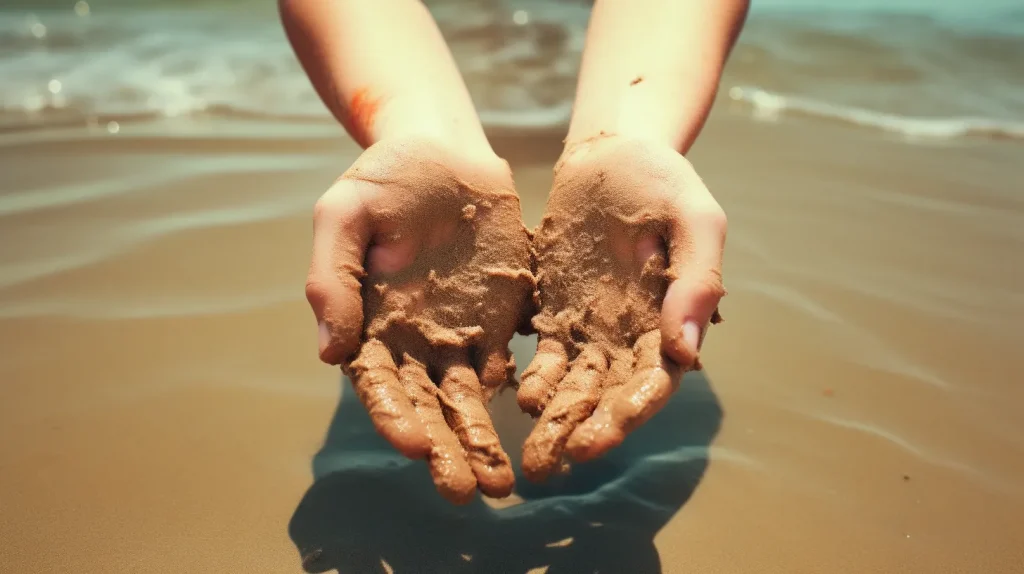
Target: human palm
x=629 y=250
x=422 y=328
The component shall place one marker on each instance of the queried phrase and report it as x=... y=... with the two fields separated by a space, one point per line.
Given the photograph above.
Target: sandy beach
x=163 y=409
x=162 y=402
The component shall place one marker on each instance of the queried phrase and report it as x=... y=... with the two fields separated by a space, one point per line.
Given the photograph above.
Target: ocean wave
x=519 y=62
x=62 y=68
x=541 y=118
x=771 y=106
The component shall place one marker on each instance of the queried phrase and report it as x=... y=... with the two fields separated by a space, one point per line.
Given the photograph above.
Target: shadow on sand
x=368 y=504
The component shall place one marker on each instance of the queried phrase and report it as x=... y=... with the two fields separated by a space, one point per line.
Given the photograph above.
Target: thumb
x=695 y=245
x=341 y=233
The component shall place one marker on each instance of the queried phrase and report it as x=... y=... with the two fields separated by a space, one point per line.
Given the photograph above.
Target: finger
x=452 y=474
x=625 y=408
x=495 y=366
x=695 y=244
x=574 y=401
x=462 y=403
x=341 y=232
x=620 y=368
x=375 y=379
x=542 y=376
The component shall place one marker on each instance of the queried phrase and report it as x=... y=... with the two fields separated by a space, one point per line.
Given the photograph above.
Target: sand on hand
x=448 y=284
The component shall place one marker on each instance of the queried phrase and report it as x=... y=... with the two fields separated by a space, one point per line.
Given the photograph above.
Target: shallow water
x=930 y=70
x=859 y=411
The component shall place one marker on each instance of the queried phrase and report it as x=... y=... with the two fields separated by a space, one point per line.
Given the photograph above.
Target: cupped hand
x=629 y=256
x=420 y=277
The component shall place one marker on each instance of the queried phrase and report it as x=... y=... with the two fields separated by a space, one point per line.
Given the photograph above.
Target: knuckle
x=336 y=202
x=325 y=208
x=320 y=209
x=711 y=214
x=316 y=291
x=701 y=284
x=709 y=284
x=701 y=210
x=719 y=219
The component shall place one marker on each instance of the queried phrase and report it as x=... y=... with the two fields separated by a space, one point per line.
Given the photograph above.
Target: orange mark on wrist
x=362 y=111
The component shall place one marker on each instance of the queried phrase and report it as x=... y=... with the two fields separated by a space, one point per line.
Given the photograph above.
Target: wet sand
x=161 y=400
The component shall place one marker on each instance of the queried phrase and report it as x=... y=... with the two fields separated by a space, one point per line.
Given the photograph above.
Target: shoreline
x=163 y=404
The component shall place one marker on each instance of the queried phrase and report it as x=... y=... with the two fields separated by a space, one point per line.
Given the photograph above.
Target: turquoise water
x=939 y=69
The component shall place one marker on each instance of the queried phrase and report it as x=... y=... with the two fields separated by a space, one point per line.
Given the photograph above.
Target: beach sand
x=161 y=398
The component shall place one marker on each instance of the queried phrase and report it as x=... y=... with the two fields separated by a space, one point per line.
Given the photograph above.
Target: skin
x=382 y=284
x=420 y=272
x=621 y=227
x=431 y=313
x=387 y=58
x=629 y=252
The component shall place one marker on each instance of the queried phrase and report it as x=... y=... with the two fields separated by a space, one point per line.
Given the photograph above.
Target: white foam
x=179 y=63
x=520 y=66
x=769 y=106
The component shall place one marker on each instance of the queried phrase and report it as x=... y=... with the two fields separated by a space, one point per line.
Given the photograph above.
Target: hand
x=629 y=256
x=424 y=332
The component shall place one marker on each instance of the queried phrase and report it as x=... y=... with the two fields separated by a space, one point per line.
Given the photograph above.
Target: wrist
x=640 y=110
x=624 y=124
x=470 y=160
x=587 y=149
x=405 y=119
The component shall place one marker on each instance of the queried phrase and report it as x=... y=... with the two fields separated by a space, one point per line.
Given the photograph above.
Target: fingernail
x=325 y=336
x=691 y=335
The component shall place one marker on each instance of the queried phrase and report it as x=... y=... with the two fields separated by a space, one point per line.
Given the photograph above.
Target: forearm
x=383 y=69
x=651 y=68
